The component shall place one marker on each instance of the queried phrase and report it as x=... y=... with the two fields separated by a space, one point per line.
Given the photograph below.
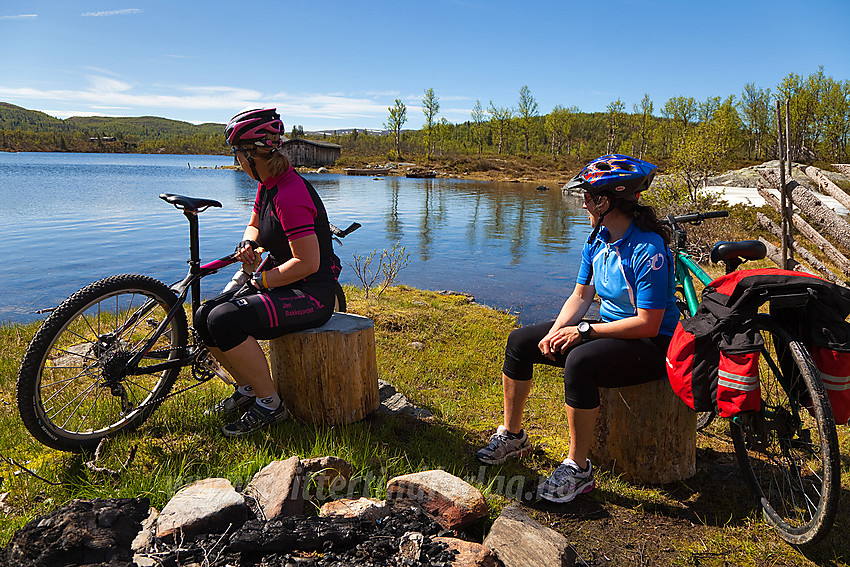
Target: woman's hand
x=245 y=252
x=558 y=341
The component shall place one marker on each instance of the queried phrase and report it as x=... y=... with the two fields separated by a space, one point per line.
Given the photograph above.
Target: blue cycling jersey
x=635 y=272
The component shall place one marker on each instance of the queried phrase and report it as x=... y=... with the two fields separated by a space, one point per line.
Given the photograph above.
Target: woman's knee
x=522 y=340
x=225 y=326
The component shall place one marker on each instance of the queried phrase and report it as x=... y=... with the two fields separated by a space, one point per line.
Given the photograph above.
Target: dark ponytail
x=645 y=218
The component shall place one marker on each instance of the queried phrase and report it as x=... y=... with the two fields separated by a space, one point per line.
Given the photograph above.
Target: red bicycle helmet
x=618 y=175
x=260 y=127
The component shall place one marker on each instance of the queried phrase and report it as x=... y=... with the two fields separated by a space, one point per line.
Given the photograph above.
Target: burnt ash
x=311 y=541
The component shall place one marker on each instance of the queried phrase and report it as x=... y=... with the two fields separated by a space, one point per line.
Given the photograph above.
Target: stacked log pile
x=823 y=228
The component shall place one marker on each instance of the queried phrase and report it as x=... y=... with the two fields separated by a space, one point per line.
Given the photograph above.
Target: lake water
x=69 y=219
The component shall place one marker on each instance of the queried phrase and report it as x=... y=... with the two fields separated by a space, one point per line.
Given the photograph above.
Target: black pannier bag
x=712 y=361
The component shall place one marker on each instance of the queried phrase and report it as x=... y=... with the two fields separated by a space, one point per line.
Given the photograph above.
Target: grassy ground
x=706 y=520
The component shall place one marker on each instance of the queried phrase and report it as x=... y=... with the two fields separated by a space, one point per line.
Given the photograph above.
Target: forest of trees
x=694 y=134
x=698 y=136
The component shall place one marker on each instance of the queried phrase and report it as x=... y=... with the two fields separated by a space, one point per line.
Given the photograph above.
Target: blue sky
x=332 y=64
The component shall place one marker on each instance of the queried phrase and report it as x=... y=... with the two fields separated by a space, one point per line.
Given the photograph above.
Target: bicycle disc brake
x=113 y=367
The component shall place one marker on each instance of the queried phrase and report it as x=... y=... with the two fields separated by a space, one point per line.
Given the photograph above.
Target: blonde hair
x=276 y=162
x=275 y=159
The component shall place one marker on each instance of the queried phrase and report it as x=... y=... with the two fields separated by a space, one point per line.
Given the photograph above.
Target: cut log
x=328 y=375
x=774 y=254
x=812 y=207
x=809 y=232
x=645 y=433
x=827 y=185
x=803 y=252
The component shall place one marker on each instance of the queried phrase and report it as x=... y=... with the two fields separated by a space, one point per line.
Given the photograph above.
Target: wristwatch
x=584 y=329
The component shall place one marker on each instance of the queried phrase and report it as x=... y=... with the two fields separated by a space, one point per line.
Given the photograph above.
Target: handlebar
x=694 y=218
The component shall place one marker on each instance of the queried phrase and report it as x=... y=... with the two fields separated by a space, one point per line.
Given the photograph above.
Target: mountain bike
x=109 y=355
x=788 y=450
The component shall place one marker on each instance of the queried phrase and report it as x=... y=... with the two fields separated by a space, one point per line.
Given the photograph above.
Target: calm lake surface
x=69 y=219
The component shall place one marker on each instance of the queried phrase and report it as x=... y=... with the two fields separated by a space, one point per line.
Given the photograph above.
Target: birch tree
x=430 y=107
x=397 y=118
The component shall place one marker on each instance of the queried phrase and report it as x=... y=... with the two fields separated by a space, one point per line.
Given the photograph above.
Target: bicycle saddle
x=192 y=204
x=746 y=249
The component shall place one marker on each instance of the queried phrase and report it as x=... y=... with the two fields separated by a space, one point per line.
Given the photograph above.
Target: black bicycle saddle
x=189 y=203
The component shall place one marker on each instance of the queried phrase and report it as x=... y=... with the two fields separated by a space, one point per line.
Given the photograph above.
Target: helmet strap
x=253 y=167
x=598 y=224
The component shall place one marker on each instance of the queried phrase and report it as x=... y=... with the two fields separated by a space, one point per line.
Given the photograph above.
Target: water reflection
x=513 y=247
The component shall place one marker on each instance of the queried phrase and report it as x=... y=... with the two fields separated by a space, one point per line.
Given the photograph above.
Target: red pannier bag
x=738 y=383
x=692 y=362
x=834 y=369
x=821 y=324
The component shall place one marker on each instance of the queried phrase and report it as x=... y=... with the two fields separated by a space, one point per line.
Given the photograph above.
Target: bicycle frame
x=685 y=266
x=191 y=283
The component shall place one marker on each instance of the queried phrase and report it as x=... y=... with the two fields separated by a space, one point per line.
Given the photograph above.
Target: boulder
x=211 y=505
x=84 y=532
x=394 y=402
x=145 y=536
x=363 y=508
x=277 y=489
x=519 y=541
x=449 y=500
x=469 y=553
x=327 y=474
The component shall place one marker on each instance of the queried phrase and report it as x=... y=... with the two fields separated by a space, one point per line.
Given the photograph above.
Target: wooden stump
x=645 y=433
x=328 y=375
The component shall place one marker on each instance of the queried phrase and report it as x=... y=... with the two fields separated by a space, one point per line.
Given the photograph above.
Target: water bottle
x=239 y=279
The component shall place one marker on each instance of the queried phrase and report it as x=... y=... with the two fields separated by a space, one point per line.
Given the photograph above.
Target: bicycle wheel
x=788 y=452
x=74 y=387
x=339 y=299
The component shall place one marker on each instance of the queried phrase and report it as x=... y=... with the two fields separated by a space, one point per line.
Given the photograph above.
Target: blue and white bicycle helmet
x=620 y=176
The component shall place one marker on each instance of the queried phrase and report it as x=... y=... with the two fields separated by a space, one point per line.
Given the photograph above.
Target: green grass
x=456 y=375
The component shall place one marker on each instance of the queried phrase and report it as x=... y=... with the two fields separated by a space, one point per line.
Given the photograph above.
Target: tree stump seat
x=645 y=433
x=328 y=375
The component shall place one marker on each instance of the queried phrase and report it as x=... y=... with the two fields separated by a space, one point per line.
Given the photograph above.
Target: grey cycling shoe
x=504 y=446
x=233 y=405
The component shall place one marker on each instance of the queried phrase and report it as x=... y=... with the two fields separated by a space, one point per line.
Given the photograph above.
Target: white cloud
x=108 y=85
x=123 y=12
x=19 y=17
x=109 y=96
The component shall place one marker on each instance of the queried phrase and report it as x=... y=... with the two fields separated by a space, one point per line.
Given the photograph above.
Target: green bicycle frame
x=685 y=266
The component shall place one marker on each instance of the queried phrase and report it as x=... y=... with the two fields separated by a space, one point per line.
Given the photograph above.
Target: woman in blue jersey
x=627 y=264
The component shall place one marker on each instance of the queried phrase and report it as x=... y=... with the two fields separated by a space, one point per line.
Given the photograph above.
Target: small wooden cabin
x=310 y=153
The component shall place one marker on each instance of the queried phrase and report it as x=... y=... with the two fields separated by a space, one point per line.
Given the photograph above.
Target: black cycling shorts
x=227 y=321
x=590 y=365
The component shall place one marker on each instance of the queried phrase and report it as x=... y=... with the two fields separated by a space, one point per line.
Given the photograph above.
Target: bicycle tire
x=72 y=388
x=339 y=299
x=789 y=454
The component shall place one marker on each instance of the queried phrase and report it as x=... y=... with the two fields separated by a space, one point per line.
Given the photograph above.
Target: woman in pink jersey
x=292 y=290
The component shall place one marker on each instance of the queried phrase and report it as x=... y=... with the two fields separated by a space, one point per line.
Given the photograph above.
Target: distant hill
x=145 y=126
x=16 y=118
x=29 y=130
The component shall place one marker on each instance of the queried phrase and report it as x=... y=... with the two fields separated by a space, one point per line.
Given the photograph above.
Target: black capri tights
x=605 y=363
x=225 y=321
